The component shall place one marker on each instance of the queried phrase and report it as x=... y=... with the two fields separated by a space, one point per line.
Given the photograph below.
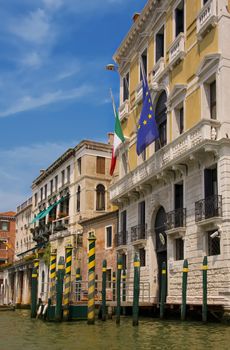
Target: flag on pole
x=118 y=137
x=147 y=127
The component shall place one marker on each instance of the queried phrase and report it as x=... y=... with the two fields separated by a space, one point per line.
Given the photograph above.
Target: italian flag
x=118 y=138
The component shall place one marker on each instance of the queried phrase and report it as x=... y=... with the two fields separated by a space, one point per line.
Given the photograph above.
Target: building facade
x=174 y=198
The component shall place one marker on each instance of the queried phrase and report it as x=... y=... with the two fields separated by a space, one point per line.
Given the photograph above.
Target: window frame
x=174 y=18
x=155 y=43
x=106 y=237
x=103 y=208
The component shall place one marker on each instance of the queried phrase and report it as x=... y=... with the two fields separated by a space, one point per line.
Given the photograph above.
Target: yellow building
x=173 y=198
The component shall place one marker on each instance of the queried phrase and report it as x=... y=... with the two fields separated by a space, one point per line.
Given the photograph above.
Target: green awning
x=44 y=212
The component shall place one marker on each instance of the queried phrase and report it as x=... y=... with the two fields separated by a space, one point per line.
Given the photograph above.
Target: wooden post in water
x=163 y=290
x=78 y=284
x=53 y=263
x=184 y=290
x=136 y=290
x=67 y=288
x=205 y=290
x=104 y=269
x=34 y=292
x=123 y=285
x=59 y=289
x=118 y=308
x=91 y=279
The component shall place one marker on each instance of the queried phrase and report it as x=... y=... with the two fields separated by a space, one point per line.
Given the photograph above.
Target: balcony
x=139 y=93
x=206 y=19
x=124 y=110
x=187 y=146
x=157 y=71
x=177 y=50
x=41 y=233
x=176 y=219
x=60 y=228
x=138 y=232
x=121 y=238
x=208 y=208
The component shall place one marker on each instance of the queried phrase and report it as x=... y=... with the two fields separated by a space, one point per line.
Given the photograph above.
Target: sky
x=54 y=90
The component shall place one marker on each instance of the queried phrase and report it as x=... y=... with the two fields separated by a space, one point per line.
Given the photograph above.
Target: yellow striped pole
x=67 y=288
x=91 y=279
x=36 y=265
x=53 y=263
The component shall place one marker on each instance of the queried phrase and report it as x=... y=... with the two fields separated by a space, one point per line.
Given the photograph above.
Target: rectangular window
x=126 y=87
x=145 y=64
x=35 y=199
x=179 y=245
x=56 y=183
x=108 y=278
x=213 y=100
x=51 y=186
x=141 y=213
x=4 y=225
x=45 y=191
x=100 y=165
x=159 y=44
x=79 y=166
x=109 y=237
x=124 y=261
x=41 y=194
x=142 y=256
x=181 y=120
x=63 y=177
x=213 y=243
x=179 y=18
x=68 y=173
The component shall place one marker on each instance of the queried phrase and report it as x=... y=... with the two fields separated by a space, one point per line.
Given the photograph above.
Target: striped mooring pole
x=205 y=289
x=36 y=265
x=104 y=269
x=136 y=289
x=59 y=289
x=53 y=263
x=123 y=277
x=163 y=290
x=67 y=286
x=91 y=279
x=114 y=285
x=78 y=284
x=118 y=308
x=184 y=290
x=34 y=292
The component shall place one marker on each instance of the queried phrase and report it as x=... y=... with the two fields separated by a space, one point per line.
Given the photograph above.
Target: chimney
x=42 y=171
x=110 y=138
x=136 y=16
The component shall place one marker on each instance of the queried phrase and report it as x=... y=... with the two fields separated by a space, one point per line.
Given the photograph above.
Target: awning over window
x=44 y=212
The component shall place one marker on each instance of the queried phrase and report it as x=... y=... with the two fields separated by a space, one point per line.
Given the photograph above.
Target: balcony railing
x=121 y=238
x=60 y=224
x=176 y=218
x=41 y=233
x=124 y=110
x=208 y=208
x=138 y=232
x=207 y=18
x=158 y=69
x=177 y=50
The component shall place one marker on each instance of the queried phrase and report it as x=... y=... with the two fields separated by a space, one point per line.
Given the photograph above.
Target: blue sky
x=54 y=90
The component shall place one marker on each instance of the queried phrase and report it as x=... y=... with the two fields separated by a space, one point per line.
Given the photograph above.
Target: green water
x=18 y=331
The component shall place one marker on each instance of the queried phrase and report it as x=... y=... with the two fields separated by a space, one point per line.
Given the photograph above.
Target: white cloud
x=28 y=102
x=53 y=4
x=32 y=59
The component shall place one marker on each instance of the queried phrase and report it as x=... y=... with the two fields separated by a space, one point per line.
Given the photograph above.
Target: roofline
x=86 y=222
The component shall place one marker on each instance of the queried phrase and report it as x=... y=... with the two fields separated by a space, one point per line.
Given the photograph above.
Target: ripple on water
x=18 y=331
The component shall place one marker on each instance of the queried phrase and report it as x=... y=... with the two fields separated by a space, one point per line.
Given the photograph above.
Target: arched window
x=43 y=282
x=161 y=119
x=78 y=198
x=100 y=197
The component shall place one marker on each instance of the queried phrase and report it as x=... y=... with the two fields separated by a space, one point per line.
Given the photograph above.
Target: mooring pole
x=67 y=288
x=184 y=290
x=78 y=284
x=163 y=290
x=104 y=269
x=59 y=289
x=205 y=289
x=34 y=292
x=136 y=289
x=53 y=263
x=118 y=308
x=91 y=279
x=123 y=285
x=114 y=286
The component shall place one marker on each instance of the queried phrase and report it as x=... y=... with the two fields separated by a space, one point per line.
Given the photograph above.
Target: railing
x=24 y=205
x=124 y=110
x=176 y=218
x=158 y=69
x=208 y=208
x=138 y=232
x=207 y=17
x=41 y=232
x=177 y=49
x=166 y=156
x=121 y=238
x=60 y=224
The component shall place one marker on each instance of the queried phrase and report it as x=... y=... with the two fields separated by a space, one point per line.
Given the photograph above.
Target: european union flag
x=147 y=128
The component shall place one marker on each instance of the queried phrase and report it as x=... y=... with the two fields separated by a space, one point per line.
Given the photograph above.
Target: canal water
x=19 y=332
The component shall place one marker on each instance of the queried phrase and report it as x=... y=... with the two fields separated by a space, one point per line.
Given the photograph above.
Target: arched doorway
x=161 y=242
x=161 y=120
